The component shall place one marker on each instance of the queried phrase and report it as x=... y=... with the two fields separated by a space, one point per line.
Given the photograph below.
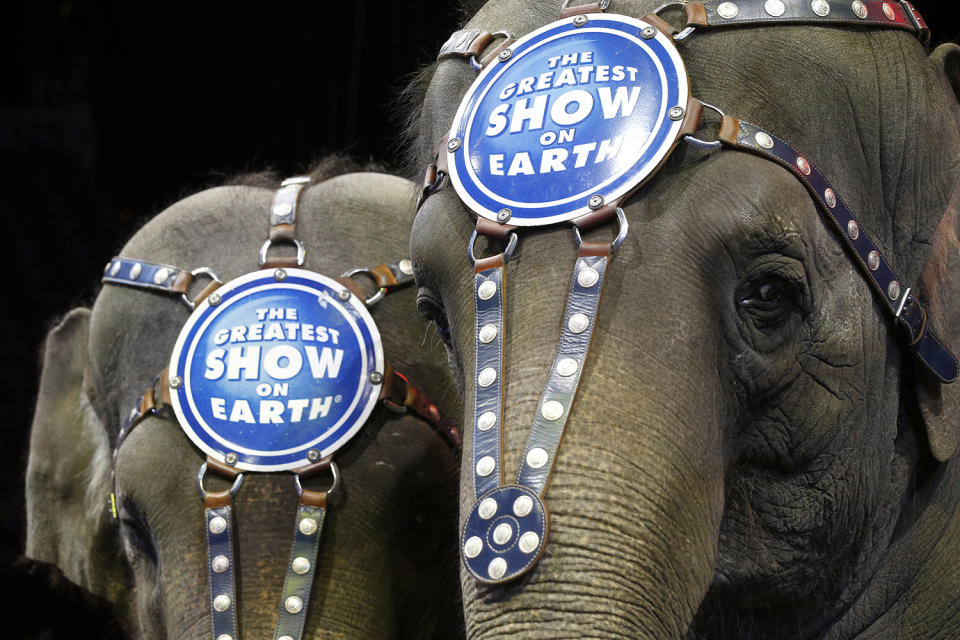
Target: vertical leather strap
x=302 y=566
x=221 y=571
x=488 y=297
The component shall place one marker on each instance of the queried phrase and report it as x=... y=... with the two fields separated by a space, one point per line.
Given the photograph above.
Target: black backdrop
x=111 y=110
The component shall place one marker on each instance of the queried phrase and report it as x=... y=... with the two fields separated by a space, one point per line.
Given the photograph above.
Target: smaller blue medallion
x=275 y=370
x=504 y=535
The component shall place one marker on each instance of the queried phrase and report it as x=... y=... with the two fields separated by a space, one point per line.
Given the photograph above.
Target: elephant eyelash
x=136 y=532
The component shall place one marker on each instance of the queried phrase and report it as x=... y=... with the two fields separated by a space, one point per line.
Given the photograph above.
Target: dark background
x=110 y=111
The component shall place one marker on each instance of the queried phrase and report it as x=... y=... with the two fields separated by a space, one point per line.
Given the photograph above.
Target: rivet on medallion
x=498 y=566
x=551 y=410
x=648 y=33
x=230 y=458
x=567 y=367
x=220 y=563
x=472 y=547
x=803 y=165
x=293 y=604
x=888 y=11
x=775 y=8
x=860 y=9
x=487 y=333
x=676 y=113
x=522 y=506
x=313 y=455
x=502 y=533
x=135 y=271
x=487 y=508
x=217 y=525
x=830 y=197
x=344 y=294
x=595 y=201
x=376 y=377
x=853 y=230
x=487 y=289
x=728 y=10
x=308 y=526
x=764 y=140
x=487 y=377
x=453 y=145
x=175 y=382
x=894 y=290
x=820 y=7
x=578 y=323
x=873 y=260
x=537 y=457
x=279 y=275
x=486 y=420
x=115 y=268
x=221 y=602
x=579 y=21
x=161 y=275
x=588 y=277
x=485 y=466
x=405 y=266
x=505 y=55
x=282 y=209
x=528 y=542
x=503 y=215
x=213 y=299
x=300 y=565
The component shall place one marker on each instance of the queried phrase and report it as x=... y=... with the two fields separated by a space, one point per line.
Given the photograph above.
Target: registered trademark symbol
x=337 y=398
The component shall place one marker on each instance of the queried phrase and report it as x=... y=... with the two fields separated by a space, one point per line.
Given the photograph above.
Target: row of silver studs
x=776 y=8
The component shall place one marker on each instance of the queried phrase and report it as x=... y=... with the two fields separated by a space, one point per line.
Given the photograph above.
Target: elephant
x=387 y=564
x=753 y=452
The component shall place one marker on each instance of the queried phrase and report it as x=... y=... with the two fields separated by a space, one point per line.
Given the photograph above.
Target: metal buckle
x=683 y=32
x=903 y=303
x=334 y=487
x=381 y=291
x=621 y=234
x=506 y=35
x=237 y=482
x=706 y=144
x=301 y=252
x=205 y=271
x=508 y=253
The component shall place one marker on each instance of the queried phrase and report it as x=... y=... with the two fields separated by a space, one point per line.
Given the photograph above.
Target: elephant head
x=752 y=452
x=386 y=566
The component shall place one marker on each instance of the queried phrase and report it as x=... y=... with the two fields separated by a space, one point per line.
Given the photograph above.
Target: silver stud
x=803 y=165
x=487 y=377
x=830 y=197
x=888 y=11
x=225 y=636
x=487 y=508
x=308 y=526
x=213 y=299
x=764 y=140
x=648 y=33
x=567 y=367
x=728 y=10
x=405 y=266
x=595 y=201
x=175 y=382
x=894 y=290
x=588 y=277
x=282 y=209
x=217 y=525
x=551 y=410
x=498 y=566
x=529 y=542
x=820 y=7
x=578 y=323
x=502 y=533
x=293 y=604
x=503 y=215
x=221 y=602
x=300 y=565
x=285 y=638
x=860 y=9
x=453 y=145
x=522 y=506
x=376 y=377
x=873 y=260
x=487 y=289
x=472 y=547
x=344 y=294
x=135 y=271
x=537 y=457
x=775 y=8
x=487 y=333
x=160 y=276
x=579 y=21
x=279 y=275
x=313 y=455
x=115 y=268
x=220 y=564
x=486 y=420
x=505 y=55
x=853 y=230
x=485 y=466
x=676 y=113
x=230 y=458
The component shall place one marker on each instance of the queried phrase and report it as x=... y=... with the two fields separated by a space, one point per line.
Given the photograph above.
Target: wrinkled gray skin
x=735 y=467
x=386 y=568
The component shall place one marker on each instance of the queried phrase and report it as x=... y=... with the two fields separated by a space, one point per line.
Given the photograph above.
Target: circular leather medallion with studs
x=504 y=534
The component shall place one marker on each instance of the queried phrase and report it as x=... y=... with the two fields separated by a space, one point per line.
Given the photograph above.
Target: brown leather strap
x=399 y=395
x=282 y=233
x=466 y=43
x=216 y=499
x=568 y=11
x=280 y=263
x=598 y=217
x=314 y=498
x=222 y=469
x=494 y=229
x=595 y=249
x=484 y=264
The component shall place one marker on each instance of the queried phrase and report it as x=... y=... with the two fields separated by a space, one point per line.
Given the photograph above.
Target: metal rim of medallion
x=361 y=405
x=648 y=155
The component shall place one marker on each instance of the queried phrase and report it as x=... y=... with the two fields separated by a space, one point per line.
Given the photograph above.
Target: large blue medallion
x=572 y=113
x=273 y=371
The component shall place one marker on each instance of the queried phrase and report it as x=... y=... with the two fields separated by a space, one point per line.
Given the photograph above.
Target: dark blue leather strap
x=301 y=568
x=488 y=400
x=221 y=571
x=900 y=301
x=146 y=275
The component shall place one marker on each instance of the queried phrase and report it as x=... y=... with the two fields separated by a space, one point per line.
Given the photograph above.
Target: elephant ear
x=68 y=470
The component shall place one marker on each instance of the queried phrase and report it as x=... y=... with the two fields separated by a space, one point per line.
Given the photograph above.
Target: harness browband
x=494 y=560
x=396 y=394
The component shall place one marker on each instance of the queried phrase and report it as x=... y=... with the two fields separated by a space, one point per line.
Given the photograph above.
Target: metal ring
x=333 y=487
x=204 y=271
x=508 y=253
x=621 y=234
x=506 y=35
x=603 y=5
x=683 y=32
x=381 y=291
x=237 y=482
x=301 y=252
x=706 y=144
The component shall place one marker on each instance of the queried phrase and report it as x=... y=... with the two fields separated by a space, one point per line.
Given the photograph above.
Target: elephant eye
x=136 y=533
x=430 y=309
x=768 y=301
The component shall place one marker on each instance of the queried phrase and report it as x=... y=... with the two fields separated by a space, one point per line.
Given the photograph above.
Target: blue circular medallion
x=504 y=535
x=270 y=370
x=574 y=112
